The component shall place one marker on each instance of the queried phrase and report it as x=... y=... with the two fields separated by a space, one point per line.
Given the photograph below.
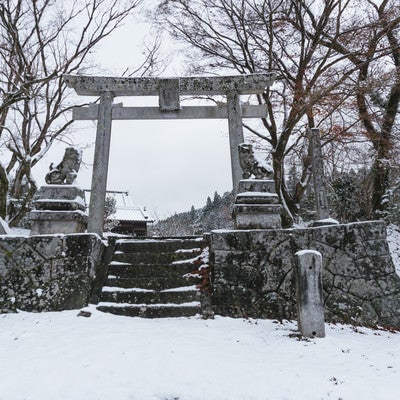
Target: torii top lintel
x=213 y=85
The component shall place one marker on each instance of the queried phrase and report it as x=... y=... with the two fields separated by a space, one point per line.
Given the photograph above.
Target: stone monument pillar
x=59 y=206
x=321 y=197
x=257 y=204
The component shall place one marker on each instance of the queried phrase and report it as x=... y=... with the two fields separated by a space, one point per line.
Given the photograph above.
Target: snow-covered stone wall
x=253 y=273
x=48 y=273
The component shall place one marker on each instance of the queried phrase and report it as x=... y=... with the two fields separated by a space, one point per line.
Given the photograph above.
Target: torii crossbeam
x=169 y=91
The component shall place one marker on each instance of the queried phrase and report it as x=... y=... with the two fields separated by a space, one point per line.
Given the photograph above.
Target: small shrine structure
x=130 y=219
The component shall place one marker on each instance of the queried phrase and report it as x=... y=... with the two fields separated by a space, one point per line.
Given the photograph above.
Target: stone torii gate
x=169 y=91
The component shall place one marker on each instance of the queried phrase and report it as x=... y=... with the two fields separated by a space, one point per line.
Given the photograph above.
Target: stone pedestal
x=58 y=209
x=257 y=205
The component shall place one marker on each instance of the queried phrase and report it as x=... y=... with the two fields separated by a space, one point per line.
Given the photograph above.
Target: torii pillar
x=169 y=91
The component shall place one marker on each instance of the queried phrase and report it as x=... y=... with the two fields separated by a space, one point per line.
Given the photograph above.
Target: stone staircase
x=155 y=278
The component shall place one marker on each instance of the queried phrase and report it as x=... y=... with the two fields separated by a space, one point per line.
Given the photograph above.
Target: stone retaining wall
x=48 y=273
x=253 y=273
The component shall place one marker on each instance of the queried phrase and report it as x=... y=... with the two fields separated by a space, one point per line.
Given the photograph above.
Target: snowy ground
x=57 y=356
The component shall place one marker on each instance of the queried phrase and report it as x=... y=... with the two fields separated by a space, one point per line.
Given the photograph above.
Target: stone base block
x=60 y=192
x=256 y=185
x=52 y=222
x=257 y=216
x=59 y=205
x=60 y=198
x=257 y=198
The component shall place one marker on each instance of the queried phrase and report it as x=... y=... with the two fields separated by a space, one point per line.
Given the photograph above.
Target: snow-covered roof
x=126 y=211
x=131 y=214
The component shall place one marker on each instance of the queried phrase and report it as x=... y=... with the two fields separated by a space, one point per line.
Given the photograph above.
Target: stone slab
x=59 y=205
x=257 y=198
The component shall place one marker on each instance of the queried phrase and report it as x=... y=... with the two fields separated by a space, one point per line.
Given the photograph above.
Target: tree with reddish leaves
x=325 y=53
x=370 y=41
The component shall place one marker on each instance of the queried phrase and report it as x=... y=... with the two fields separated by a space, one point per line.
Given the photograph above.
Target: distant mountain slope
x=216 y=214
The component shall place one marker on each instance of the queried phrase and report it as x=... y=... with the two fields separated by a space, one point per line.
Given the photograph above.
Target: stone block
x=257 y=216
x=60 y=192
x=256 y=185
x=257 y=205
x=47 y=246
x=257 y=198
x=57 y=222
x=60 y=198
x=59 y=205
x=342 y=283
x=373 y=267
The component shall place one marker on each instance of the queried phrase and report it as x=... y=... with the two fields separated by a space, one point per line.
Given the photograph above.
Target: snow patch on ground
x=19 y=232
x=125 y=290
x=61 y=356
x=181 y=289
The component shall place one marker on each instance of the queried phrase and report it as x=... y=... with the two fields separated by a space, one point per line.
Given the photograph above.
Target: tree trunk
x=24 y=207
x=289 y=208
x=22 y=191
x=3 y=192
x=380 y=173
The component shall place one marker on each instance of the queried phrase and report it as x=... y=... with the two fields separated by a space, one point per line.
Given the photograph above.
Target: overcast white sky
x=166 y=166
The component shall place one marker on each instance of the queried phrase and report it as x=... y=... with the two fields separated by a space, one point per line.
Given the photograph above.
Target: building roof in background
x=126 y=211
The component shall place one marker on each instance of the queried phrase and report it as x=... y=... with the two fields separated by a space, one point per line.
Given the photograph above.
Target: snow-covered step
x=152 y=270
x=167 y=310
x=158 y=245
x=154 y=257
x=153 y=282
x=138 y=295
x=155 y=278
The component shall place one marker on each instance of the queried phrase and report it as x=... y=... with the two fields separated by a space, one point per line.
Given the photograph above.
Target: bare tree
x=371 y=43
x=40 y=40
x=316 y=80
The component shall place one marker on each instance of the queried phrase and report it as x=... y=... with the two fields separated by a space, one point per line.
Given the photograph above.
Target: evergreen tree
x=209 y=204
x=217 y=199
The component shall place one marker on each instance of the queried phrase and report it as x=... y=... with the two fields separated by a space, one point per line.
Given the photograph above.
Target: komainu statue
x=65 y=173
x=253 y=166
